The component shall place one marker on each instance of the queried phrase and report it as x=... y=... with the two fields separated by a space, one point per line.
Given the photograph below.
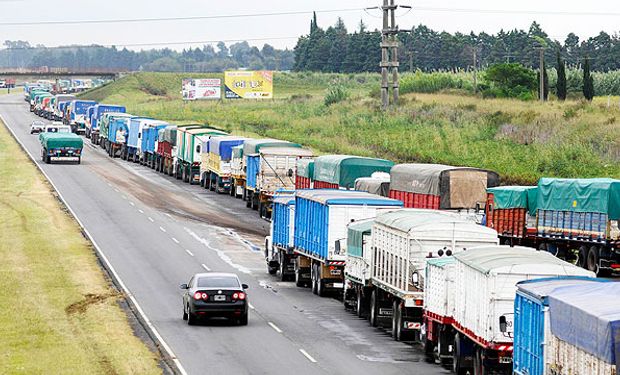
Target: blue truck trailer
x=75 y=115
x=531 y=320
x=279 y=245
x=321 y=218
x=149 y=141
x=134 y=138
x=92 y=130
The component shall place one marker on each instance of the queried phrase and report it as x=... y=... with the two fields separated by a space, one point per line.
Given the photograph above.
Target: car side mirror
x=184 y=286
x=503 y=324
x=244 y=286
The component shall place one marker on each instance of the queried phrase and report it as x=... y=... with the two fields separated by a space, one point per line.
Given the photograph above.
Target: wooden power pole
x=541 y=69
x=389 y=54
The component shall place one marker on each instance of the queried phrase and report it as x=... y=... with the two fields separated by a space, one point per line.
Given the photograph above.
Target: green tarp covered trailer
x=61 y=147
x=355 y=237
x=599 y=195
x=305 y=168
x=505 y=197
x=342 y=170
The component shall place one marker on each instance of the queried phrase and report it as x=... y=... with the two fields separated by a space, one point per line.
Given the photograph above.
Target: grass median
x=59 y=314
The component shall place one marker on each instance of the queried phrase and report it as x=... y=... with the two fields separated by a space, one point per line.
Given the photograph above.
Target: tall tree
x=588 y=81
x=561 y=83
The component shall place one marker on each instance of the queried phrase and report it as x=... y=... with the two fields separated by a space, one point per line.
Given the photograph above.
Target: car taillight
x=205 y=296
x=240 y=296
x=197 y=295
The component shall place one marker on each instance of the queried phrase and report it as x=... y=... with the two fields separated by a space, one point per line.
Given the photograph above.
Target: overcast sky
x=282 y=31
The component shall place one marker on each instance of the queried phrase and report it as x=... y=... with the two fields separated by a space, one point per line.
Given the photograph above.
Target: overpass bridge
x=59 y=73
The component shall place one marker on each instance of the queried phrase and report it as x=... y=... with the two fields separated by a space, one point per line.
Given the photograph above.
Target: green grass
x=58 y=312
x=523 y=141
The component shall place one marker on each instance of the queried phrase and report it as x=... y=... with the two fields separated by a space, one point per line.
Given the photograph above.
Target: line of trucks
x=488 y=278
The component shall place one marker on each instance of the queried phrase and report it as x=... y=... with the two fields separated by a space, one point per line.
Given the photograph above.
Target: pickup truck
x=64 y=147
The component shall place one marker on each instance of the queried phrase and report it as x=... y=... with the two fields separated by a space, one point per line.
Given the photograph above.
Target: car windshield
x=218 y=282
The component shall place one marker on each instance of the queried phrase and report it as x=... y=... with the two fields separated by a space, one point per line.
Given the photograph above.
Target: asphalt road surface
x=157 y=231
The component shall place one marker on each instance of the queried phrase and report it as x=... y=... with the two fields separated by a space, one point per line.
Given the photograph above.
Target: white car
x=37 y=127
x=57 y=127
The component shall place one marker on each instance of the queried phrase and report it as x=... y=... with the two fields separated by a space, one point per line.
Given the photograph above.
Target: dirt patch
x=90 y=299
x=166 y=201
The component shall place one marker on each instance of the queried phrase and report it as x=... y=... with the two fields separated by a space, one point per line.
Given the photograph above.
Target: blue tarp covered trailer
x=223 y=146
x=531 y=321
x=283 y=220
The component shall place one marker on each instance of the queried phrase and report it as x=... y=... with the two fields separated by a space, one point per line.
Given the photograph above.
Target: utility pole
x=541 y=69
x=475 y=50
x=389 y=53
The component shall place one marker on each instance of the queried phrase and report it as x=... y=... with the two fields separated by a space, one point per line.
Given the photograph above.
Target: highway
x=156 y=232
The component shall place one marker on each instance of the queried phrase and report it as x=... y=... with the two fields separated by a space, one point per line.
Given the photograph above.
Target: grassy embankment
x=521 y=140
x=58 y=312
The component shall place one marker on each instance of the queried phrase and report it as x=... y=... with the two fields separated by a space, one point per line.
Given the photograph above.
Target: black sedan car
x=215 y=295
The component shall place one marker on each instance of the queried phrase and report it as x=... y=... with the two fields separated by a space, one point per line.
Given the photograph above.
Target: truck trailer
x=189 y=147
x=215 y=169
x=341 y=171
x=92 y=129
x=480 y=336
x=533 y=349
x=305 y=174
x=75 y=115
x=279 y=245
x=321 y=219
x=402 y=242
x=150 y=138
x=62 y=147
x=237 y=172
x=378 y=183
x=166 y=144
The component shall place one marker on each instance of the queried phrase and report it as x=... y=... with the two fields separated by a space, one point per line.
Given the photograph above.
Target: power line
x=185 y=18
x=528 y=12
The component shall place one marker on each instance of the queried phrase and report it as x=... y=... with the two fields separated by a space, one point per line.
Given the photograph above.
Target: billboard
x=248 y=85
x=198 y=89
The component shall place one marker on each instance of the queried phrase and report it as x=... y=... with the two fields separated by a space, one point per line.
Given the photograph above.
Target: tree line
x=337 y=50
x=20 y=54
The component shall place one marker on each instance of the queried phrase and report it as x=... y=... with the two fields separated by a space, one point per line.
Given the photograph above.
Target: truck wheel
x=233 y=191
x=593 y=260
x=283 y=275
x=360 y=309
x=456 y=357
x=313 y=277
x=271 y=270
x=582 y=257
x=79 y=160
x=374 y=307
x=48 y=160
x=397 y=321
x=320 y=287
x=247 y=198
x=479 y=368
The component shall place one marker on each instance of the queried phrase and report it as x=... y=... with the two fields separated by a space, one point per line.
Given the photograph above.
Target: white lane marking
x=131 y=203
x=109 y=184
x=205 y=267
x=223 y=256
x=250 y=306
x=116 y=190
x=151 y=219
x=140 y=211
x=189 y=252
x=305 y=353
x=162 y=229
x=175 y=240
x=167 y=214
x=275 y=327
x=124 y=197
x=103 y=257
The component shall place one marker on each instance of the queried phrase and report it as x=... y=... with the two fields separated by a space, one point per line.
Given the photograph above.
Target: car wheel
x=191 y=318
x=243 y=321
x=184 y=313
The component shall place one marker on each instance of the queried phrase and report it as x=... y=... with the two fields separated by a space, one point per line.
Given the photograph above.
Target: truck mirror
x=503 y=324
x=290 y=173
x=337 y=247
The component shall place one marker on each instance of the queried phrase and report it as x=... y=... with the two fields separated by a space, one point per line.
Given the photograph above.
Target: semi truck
x=279 y=245
x=321 y=218
x=166 y=144
x=215 y=166
x=105 y=136
x=131 y=150
x=237 y=173
x=402 y=242
x=118 y=133
x=76 y=115
x=437 y=186
x=189 y=146
x=341 y=171
x=150 y=134
x=574 y=219
x=61 y=147
x=533 y=351
x=480 y=333
x=57 y=114
x=272 y=169
x=92 y=128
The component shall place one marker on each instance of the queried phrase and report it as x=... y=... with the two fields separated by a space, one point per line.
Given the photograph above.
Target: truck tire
x=397 y=320
x=79 y=160
x=593 y=259
x=313 y=277
x=233 y=191
x=479 y=368
x=456 y=357
x=272 y=270
x=582 y=257
x=247 y=197
x=299 y=282
x=374 y=309
x=282 y=267
x=360 y=308
x=321 y=291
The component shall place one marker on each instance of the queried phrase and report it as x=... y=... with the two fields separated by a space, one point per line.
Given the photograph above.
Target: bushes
x=436 y=82
x=509 y=81
x=336 y=94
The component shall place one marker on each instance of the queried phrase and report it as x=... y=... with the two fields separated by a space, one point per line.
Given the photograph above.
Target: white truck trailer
x=403 y=241
x=485 y=279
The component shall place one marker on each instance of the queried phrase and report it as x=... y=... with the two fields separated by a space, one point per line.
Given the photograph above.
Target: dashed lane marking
x=151 y=219
x=131 y=203
x=175 y=240
x=251 y=306
x=162 y=229
x=189 y=252
x=140 y=211
x=305 y=353
x=209 y=269
x=275 y=327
